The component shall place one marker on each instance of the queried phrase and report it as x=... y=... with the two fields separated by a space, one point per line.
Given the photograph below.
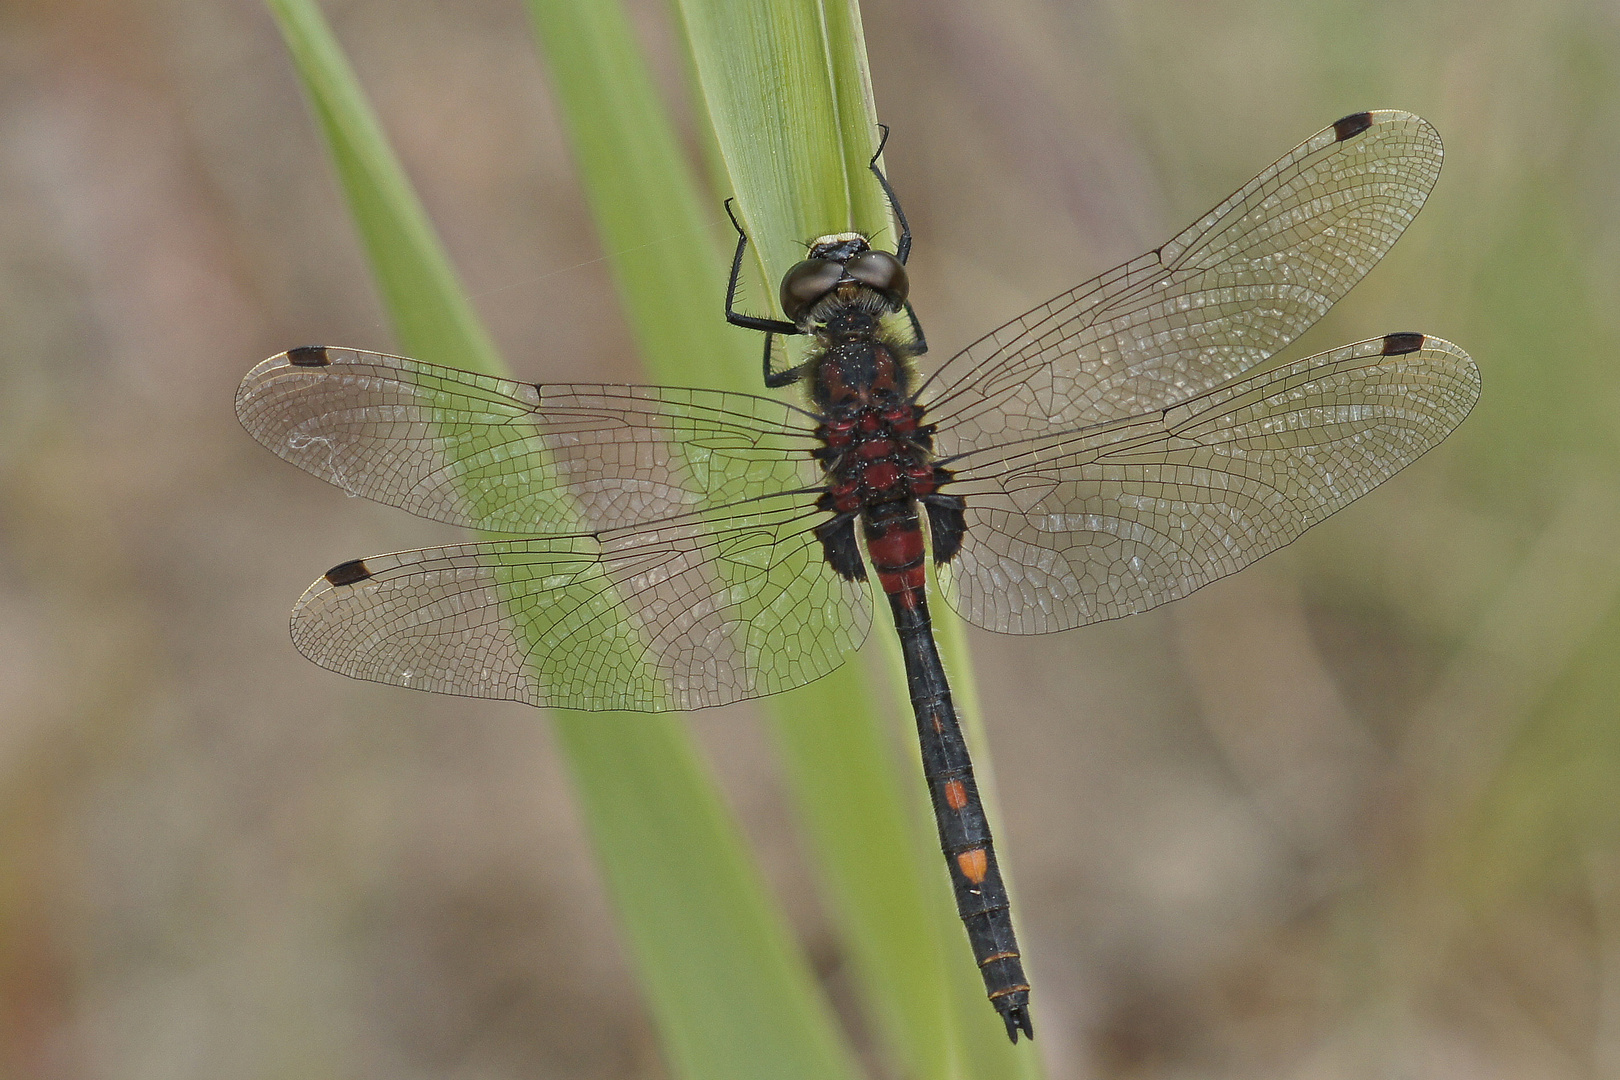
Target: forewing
x=510 y=457
x=1238 y=285
x=680 y=616
x=1109 y=520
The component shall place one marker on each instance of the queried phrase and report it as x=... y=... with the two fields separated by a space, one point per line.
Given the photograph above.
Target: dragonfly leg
x=903 y=249
x=735 y=317
x=919 y=342
x=775 y=380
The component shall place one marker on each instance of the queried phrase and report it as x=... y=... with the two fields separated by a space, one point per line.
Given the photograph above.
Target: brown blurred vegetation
x=1351 y=813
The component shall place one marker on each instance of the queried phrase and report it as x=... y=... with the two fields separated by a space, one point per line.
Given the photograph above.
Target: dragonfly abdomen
x=894 y=540
x=964 y=830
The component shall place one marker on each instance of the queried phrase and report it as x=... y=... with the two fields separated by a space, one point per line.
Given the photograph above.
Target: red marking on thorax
x=876 y=448
x=881 y=477
x=887 y=370
x=838 y=433
x=877 y=460
x=846 y=497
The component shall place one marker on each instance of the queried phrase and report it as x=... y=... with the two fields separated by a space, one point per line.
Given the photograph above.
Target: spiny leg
x=775 y=380
x=903 y=249
x=734 y=317
x=919 y=343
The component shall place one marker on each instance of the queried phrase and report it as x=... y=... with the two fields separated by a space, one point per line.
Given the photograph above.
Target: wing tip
x=1403 y=343
x=347 y=573
x=308 y=356
x=1349 y=127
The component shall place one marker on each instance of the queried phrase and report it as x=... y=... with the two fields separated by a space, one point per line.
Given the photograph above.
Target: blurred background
x=1352 y=813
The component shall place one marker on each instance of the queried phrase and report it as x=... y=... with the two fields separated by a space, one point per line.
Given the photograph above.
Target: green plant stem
x=788 y=93
x=732 y=995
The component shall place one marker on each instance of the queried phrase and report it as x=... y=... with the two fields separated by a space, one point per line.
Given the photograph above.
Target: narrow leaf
x=789 y=96
x=733 y=998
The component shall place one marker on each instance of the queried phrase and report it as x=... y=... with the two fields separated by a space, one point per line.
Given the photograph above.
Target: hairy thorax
x=877 y=453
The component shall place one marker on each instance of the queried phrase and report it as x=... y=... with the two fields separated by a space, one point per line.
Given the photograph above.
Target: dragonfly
x=663 y=548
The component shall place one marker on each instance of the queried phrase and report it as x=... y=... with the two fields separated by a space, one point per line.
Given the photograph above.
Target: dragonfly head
x=842 y=261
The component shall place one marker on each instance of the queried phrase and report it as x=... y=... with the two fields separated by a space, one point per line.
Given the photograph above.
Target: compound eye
x=881 y=271
x=807 y=283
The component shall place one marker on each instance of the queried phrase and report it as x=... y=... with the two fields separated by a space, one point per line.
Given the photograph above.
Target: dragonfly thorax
x=858 y=368
x=878 y=458
x=852 y=320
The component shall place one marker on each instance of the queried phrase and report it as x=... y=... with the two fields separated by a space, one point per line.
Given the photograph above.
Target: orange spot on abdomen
x=955 y=794
x=973 y=864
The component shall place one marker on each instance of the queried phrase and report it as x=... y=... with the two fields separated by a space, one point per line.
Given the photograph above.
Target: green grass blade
x=641 y=187
x=728 y=987
x=787 y=159
x=665 y=241
x=732 y=996
x=762 y=69
x=837 y=754
x=788 y=94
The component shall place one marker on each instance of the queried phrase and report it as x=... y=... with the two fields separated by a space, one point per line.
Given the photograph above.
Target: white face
x=853 y=240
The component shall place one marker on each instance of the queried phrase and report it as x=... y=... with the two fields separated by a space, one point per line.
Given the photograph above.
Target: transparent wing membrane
x=1076 y=527
x=1235 y=287
x=682 y=616
x=510 y=457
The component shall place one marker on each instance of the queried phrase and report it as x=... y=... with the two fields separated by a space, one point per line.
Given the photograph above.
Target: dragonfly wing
x=510 y=457
x=1109 y=520
x=1239 y=284
x=681 y=615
